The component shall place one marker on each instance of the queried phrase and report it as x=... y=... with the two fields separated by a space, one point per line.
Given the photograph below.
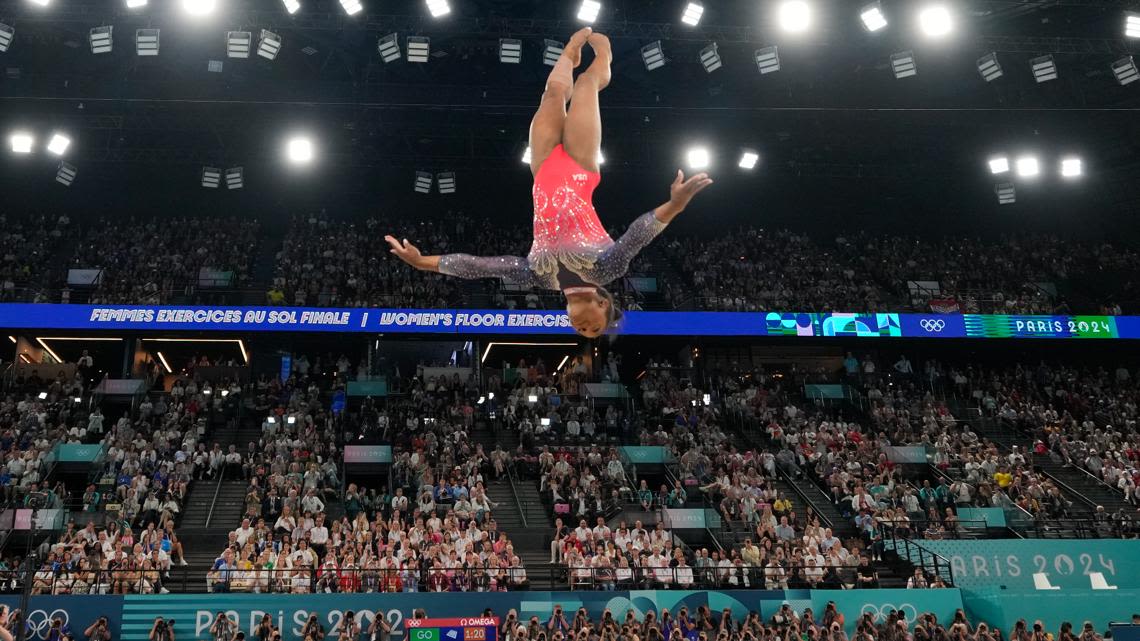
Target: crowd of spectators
x=27 y=248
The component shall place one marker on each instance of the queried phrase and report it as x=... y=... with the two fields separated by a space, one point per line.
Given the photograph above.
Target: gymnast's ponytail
x=614 y=315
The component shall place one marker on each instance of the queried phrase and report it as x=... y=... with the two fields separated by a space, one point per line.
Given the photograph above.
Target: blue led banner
x=531 y=322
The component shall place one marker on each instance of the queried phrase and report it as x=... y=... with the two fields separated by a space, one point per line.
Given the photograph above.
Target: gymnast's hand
x=411 y=255
x=680 y=193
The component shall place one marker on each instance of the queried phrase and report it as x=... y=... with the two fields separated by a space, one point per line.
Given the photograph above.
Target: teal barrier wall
x=1012 y=563
x=1003 y=608
x=77 y=453
x=647 y=454
x=992 y=516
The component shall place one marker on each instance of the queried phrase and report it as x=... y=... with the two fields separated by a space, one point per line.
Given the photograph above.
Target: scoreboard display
x=461 y=629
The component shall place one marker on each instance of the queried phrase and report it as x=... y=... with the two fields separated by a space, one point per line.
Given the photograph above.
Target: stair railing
x=217 y=490
x=515 y=494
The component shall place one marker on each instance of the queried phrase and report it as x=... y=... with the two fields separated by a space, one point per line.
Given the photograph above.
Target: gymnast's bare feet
x=603 y=56
x=573 y=49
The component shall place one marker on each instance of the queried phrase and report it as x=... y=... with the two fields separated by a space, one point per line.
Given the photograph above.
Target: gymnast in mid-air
x=571 y=251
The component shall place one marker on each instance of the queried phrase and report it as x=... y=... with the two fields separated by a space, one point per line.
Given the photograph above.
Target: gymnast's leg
x=546 y=128
x=582 y=134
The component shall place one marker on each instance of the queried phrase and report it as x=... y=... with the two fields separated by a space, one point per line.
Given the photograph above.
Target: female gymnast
x=571 y=251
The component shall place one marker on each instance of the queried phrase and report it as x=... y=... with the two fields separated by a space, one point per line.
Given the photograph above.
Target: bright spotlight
x=135 y=4
x=698 y=158
x=351 y=7
x=795 y=16
x=588 y=11
x=692 y=14
x=300 y=150
x=1071 y=167
x=292 y=6
x=22 y=142
x=438 y=8
x=199 y=7
x=873 y=18
x=1132 y=25
x=58 y=144
x=936 y=21
x=42 y=3
x=527 y=155
x=1027 y=166
x=999 y=165
x=748 y=160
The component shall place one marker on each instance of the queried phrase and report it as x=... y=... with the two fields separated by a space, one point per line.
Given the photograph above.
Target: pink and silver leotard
x=568 y=237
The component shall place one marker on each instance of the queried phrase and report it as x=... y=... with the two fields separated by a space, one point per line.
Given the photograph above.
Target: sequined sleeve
x=513 y=268
x=614 y=261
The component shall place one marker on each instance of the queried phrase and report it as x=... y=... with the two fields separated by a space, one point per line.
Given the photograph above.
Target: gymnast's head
x=593 y=314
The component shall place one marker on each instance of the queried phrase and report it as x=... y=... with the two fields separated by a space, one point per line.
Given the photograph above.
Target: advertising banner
x=647 y=454
x=370 y=454
x=77 y=453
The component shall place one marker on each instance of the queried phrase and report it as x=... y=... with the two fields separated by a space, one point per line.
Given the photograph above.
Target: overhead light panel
x=446 y=182
x=999 y=165
x=438 y=8
x=936 y=21
x=903 y=64
x=22 y=142
x=1132 y=25
x=1027 y=166
x=292 y=6
x=42 y=3
x=100 y=39
x=748 y=160
x=768 y=59
x=527 y=155
x=268 y=45
x=692 y=14
x=698 y=158
x=1006 y=194
x=351 y=7
x=1044 y=68
x=58 y=144
x=419 y=47
x=653 y=56
x=551 y=52
x=989 y=67
x=389 y=47
x=65 y=174
x=238 y=44
x=873 y=18
x=234 y=178
x=135 y=4
x=199 y=7
x=1125 y=70
x=794 y=16
x=423 y=182
x=300 y=150
x=211 y=177
x=146 y=42
x=7 y=34
x=710 y=58
x=588 y=11
x=214 y=66
x=1071 y=167
x=510 y=51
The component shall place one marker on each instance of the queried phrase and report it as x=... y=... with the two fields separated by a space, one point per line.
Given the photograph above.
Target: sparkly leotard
x=568 y=237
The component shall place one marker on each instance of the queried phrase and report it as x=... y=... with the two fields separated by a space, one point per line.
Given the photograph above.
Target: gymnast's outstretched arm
x=513 y=268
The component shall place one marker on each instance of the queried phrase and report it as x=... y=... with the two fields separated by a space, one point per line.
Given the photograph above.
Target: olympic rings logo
x=39 y=621
x=881 y=612
x=932 y=324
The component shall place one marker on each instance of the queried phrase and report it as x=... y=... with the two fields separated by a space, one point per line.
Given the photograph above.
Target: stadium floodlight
x=873 y=18
x=268 y=45
x=22 y=142
x=999 y=165
x=65 y=175
x=214 y=66
x=211 y=177
x=135 y=4
x=238 y=44
x=551 y=52
x=532 y=398
x=1125 y=70
x=438 y=8
x=692 y=14
x=710 y=58
x=768 y=59
x=794 y=16
x=936 y=21
x=698 y=158
x=300 y=150
x=389 y=47
x=42 y=3
x=42 y=396
x=100 y=39
x=7 y=33
x=989 y=67
x=199 y=7
x=1006 y=194
x=1071 y=167
x=292 y=6
x=510 y=51
x=418 y=48
x=1027 y=166
x=588 y=11
x=903 y=64
x=601 y=157
x=234 y=178
x=1132 y=25
x=1044 y=68
x=146 y=42
x=423 y=182
x=446 y=182
x=527 y=155
x=351 y=7
x=58 y=144
x=748 y=160
x=653 y=56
